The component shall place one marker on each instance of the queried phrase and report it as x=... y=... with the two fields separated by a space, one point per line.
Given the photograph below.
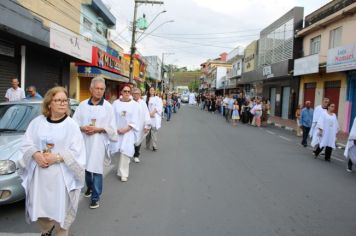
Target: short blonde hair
x=46 y=111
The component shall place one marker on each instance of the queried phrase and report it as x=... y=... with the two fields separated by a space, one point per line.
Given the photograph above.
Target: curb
x=338 y=145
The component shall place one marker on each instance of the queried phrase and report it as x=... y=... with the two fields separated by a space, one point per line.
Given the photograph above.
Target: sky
x=201 y=29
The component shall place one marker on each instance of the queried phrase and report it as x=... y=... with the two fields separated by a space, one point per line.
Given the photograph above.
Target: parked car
x=14 y=120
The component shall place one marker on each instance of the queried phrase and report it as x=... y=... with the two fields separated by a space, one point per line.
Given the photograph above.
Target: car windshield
x=16 y=117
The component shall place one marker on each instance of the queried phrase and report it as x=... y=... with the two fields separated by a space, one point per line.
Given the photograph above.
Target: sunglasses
x=126 y=91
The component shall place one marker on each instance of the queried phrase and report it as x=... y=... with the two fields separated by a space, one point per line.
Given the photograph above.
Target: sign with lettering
x=341 y=58
x=106 y=61
x=69 y=43
x=306 y=65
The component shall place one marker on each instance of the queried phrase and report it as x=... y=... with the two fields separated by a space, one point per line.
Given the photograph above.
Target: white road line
x=282 y=137
x=270 y=132
x=337 y=159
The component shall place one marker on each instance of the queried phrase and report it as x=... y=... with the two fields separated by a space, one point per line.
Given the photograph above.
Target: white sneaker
x=136 y=160
x=348 y=170
x=123 y=179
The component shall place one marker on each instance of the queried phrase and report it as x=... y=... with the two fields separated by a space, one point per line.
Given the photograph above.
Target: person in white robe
x=318 y=111
x=126 y=112
x=350 y=150
x=327 y=128
x=192 y=99
x=52 y=166
x=155 y=107
x=96 y=119
x=144 y=122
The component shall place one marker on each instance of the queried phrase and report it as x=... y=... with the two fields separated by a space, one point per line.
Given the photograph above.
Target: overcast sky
x=202 y=29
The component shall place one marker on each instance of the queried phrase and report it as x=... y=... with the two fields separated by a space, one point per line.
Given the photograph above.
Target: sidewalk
x=291 y=125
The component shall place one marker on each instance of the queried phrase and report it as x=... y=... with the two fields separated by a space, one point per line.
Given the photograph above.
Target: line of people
x=62 y=154
x=237 y=108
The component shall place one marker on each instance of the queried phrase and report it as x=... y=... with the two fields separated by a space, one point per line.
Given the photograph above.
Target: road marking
x=270 y=132
x=337 y=159
x=282 y=137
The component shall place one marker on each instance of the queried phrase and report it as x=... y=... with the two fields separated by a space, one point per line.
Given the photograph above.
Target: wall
x=64 y=13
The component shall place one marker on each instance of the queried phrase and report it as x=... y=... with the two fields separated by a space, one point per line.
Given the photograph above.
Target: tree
x=194 y=86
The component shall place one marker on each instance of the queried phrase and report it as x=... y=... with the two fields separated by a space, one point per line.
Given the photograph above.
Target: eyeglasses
x=60 y=101
x=126 y=91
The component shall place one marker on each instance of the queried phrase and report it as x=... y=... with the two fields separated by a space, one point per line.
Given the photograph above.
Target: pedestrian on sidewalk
x=326 y=129
x=52 y=166
x=143 y=120
x=15 y=93
x=169 y=106
x=126 y=112
x=306 y=120
x=350 y=150
x=257 y=113
x=297 y=117
x=95 y=117
x=235 y=113
x=154 y=104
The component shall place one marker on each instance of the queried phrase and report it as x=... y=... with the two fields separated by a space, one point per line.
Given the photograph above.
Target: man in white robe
x=318 y=111
x=350 y=150
x=191 y=99
x=155 y=107
x=144 y=122
x=126 y=112
x=96 y=119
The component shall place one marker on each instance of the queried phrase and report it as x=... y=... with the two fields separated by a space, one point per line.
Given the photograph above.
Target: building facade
x=328 y=66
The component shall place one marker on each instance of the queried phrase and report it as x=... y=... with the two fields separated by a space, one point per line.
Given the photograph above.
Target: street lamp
x=154 y=18
x=133 y=40
x=169 y=21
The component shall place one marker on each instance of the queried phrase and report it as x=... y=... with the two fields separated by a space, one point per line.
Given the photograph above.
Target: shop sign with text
x=341 y=58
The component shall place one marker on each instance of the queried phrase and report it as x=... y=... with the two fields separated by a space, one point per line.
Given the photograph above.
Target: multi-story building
x=154 y=71
x=38 y=41
x=276 y=51
x=234 y=74
x=249 y=80
x=328 y=68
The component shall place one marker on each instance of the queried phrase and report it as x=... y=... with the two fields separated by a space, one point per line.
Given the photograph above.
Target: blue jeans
x=94 y=182
x=169 y=112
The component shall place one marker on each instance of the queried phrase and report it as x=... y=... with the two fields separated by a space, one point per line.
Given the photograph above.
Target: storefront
x=103 y=64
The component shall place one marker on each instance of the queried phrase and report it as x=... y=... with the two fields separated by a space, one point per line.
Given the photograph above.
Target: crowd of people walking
x=61 y=154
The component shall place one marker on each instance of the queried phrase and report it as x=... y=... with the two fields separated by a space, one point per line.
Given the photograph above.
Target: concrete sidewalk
x=291 y=125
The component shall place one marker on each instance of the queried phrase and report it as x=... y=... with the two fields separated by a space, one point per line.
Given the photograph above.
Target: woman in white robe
x=350 y=150
x=155 y=107
x=52 y=167
x=126 y=112
x=326 y=129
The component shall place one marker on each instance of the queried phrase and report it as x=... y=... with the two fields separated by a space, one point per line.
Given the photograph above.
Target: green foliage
x=194 y=86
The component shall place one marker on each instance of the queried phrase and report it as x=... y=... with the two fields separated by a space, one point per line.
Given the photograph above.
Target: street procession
x=192 y=117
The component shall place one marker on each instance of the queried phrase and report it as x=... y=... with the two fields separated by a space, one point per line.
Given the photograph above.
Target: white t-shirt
x=15 y=94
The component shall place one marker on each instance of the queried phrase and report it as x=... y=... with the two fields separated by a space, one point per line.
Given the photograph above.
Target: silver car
x=14 y=120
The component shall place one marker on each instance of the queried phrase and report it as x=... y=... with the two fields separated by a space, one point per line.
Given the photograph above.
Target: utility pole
x=133 y=38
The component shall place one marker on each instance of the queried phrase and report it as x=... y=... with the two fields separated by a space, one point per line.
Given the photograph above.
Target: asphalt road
x=209 y=178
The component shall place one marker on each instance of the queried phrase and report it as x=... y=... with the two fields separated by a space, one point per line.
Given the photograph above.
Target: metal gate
x=8 y=70
x=352 y=93
x=285 y=102
x=273 y=101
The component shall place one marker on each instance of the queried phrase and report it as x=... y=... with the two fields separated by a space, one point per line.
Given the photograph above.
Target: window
x=335 y=37
x=315 y=45
x=87 y=23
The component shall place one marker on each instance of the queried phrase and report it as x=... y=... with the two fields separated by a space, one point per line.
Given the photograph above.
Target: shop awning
x=90 y=71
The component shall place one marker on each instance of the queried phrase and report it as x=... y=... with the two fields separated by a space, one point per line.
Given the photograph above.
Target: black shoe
x=327 y=159
x=94 y=205
x=87 y=194
x=154 y=149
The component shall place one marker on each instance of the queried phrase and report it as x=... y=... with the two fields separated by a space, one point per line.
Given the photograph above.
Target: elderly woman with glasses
x=327 y=129
x=52 y=167
x=126 y=112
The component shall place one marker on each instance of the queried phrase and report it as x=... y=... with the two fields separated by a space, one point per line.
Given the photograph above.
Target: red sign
x=104 y=61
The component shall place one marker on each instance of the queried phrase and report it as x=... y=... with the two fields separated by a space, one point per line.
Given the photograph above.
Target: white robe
x=318 y=111
x=350 y=150
x=97 y=145
x=143 y=120
x=53 y=192
x=191 y=98
x=126 y=114
x=329 y=126
x=156 y=103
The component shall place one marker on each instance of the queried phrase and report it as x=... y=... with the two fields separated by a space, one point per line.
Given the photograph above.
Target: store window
x=315 y=45
x=335 y=37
